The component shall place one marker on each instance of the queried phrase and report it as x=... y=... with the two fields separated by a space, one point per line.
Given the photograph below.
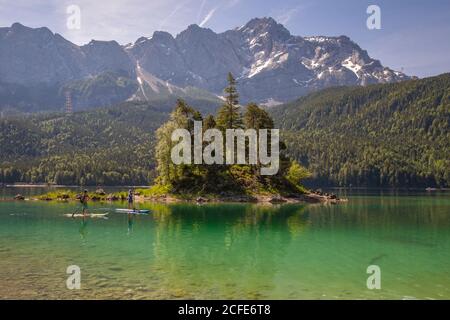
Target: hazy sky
x=414 y=35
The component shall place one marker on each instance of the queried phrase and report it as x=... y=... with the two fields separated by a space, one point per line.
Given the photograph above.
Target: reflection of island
x=236 y=248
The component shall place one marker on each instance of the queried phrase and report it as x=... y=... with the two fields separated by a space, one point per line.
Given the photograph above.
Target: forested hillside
x=105 y=146
x=380 y=135
x=392 y=135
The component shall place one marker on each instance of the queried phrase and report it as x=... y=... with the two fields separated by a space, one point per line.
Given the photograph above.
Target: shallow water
x=230 y=251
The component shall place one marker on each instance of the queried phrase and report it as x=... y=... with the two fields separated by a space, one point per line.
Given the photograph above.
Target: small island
x=214 y=182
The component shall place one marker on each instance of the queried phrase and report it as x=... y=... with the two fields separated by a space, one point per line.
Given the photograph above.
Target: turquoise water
x=230 y=251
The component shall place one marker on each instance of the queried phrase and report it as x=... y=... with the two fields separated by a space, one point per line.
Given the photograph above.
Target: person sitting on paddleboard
x=130 y=199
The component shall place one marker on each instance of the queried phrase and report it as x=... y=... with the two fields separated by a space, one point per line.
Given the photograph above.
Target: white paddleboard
x=133 y=211
x=89 y=215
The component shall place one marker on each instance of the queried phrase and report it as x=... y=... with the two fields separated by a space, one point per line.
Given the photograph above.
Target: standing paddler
x=130 y=199
x=84 y=200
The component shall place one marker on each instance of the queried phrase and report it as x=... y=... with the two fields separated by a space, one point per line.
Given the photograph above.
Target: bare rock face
x=103 y=56
x=38 y=66
x=270 y=64
x=31 y=56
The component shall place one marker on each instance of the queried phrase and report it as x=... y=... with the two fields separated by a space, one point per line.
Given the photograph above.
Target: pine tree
x=183 y=115
x=229 y=116
x=296 y=173
x=257 y=118
x=209 y=122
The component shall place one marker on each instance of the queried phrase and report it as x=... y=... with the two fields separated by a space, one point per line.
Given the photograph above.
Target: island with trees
x=218 y=182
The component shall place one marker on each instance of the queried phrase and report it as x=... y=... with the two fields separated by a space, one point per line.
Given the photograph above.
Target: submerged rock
x=100 y=192
x=112 y=197
x=201 y=199
x=19 y=197
x=277 y=199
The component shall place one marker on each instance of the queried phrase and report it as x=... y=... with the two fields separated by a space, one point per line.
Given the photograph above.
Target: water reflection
x=212 y=238
x=239 y=250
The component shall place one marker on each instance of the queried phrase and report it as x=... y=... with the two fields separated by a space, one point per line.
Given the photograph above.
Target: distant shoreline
x=43 y=185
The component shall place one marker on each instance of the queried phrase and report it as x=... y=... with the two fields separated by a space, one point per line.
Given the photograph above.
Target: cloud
x=227 y=5
x=286 y=16
x=208 y=16
x=121 y=20
x=200 y=10
x=172 y=13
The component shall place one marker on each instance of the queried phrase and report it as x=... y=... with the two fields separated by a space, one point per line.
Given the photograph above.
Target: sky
x=414 y=35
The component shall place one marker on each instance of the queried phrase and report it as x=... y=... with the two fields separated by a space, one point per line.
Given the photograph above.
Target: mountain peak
x=94 y=42
x=265 y=24
x=162 y=35
x=269 y=62
x=195 y=29
x=19 y=26
x=194 y=32
x=194 y=26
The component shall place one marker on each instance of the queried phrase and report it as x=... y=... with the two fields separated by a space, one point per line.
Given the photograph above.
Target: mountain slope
x=107 y=146
x=380 y=135
x=111 y=146
x=37 y=67
x=269 y=62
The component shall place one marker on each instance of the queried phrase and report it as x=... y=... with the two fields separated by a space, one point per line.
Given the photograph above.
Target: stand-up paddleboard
x=88 y=215
x=133 y=211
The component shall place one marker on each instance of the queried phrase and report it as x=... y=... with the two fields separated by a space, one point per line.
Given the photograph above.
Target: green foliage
x=391 y=135
x=297 y=173
x=111 y=146
x=209 y=122
x=380 y=135
x=202 y=179
x=155 y=190
x=228 y=116
x=104 y=89
x=101 y=90
x=257 y=118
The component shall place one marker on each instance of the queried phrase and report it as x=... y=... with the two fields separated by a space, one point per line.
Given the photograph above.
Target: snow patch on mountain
x=354 y=67
x=269 y=63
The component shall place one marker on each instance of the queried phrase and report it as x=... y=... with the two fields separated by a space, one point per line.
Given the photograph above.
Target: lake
x=229 y=251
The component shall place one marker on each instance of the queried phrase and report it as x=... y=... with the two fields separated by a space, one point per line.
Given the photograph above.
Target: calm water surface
x=230 y=251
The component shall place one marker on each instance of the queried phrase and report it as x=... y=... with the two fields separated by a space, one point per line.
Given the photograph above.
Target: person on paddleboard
x=130 y=199
x=84 y=199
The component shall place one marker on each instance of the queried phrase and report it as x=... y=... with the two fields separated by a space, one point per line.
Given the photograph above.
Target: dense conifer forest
x=389 y=135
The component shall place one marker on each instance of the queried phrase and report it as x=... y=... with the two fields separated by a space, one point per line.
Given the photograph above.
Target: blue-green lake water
x=229 y=251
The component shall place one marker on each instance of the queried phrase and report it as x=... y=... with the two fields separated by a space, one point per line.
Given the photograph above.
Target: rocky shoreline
x=100 y=195
x=273 y=199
